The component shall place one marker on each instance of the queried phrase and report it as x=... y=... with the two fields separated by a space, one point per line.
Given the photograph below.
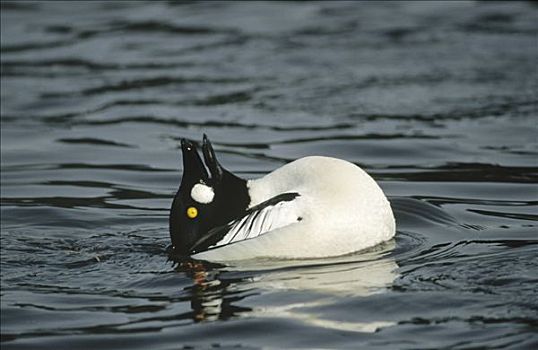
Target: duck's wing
x=274 y=213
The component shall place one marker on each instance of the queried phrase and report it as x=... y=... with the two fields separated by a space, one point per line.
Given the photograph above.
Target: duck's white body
x=340 y=209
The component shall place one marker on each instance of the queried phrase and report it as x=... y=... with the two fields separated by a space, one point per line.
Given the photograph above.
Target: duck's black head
x=206 y=199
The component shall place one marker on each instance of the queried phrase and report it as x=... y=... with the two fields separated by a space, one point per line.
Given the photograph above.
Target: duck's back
x=340 y=209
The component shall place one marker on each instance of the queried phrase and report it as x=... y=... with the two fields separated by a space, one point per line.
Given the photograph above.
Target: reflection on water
x=210 y=298
x=356 y=275
x=437 y=100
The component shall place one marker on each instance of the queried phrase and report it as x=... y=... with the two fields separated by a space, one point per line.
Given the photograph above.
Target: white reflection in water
x=323 y=280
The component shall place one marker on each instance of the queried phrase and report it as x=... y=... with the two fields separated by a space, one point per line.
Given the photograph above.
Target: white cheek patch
x=202 y=193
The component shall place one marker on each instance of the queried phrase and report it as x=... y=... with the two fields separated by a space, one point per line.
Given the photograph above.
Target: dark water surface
x=436 y=100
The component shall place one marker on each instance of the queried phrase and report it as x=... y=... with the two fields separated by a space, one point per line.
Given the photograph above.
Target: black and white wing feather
x=270 y=215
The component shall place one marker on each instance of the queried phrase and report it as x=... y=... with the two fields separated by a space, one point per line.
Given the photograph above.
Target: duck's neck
x=233 y=197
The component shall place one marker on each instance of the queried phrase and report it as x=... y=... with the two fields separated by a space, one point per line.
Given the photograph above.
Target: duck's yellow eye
x=192 y=212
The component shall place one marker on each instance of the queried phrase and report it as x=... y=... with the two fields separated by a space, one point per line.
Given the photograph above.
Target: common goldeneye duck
x=310 y=208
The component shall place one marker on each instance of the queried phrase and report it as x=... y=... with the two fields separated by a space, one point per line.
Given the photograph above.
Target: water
x=436 y=100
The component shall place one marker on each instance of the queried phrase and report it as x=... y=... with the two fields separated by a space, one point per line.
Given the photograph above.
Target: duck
x=313 y=207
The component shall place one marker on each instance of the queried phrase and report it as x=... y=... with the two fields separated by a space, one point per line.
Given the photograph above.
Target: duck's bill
x=193 y=168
